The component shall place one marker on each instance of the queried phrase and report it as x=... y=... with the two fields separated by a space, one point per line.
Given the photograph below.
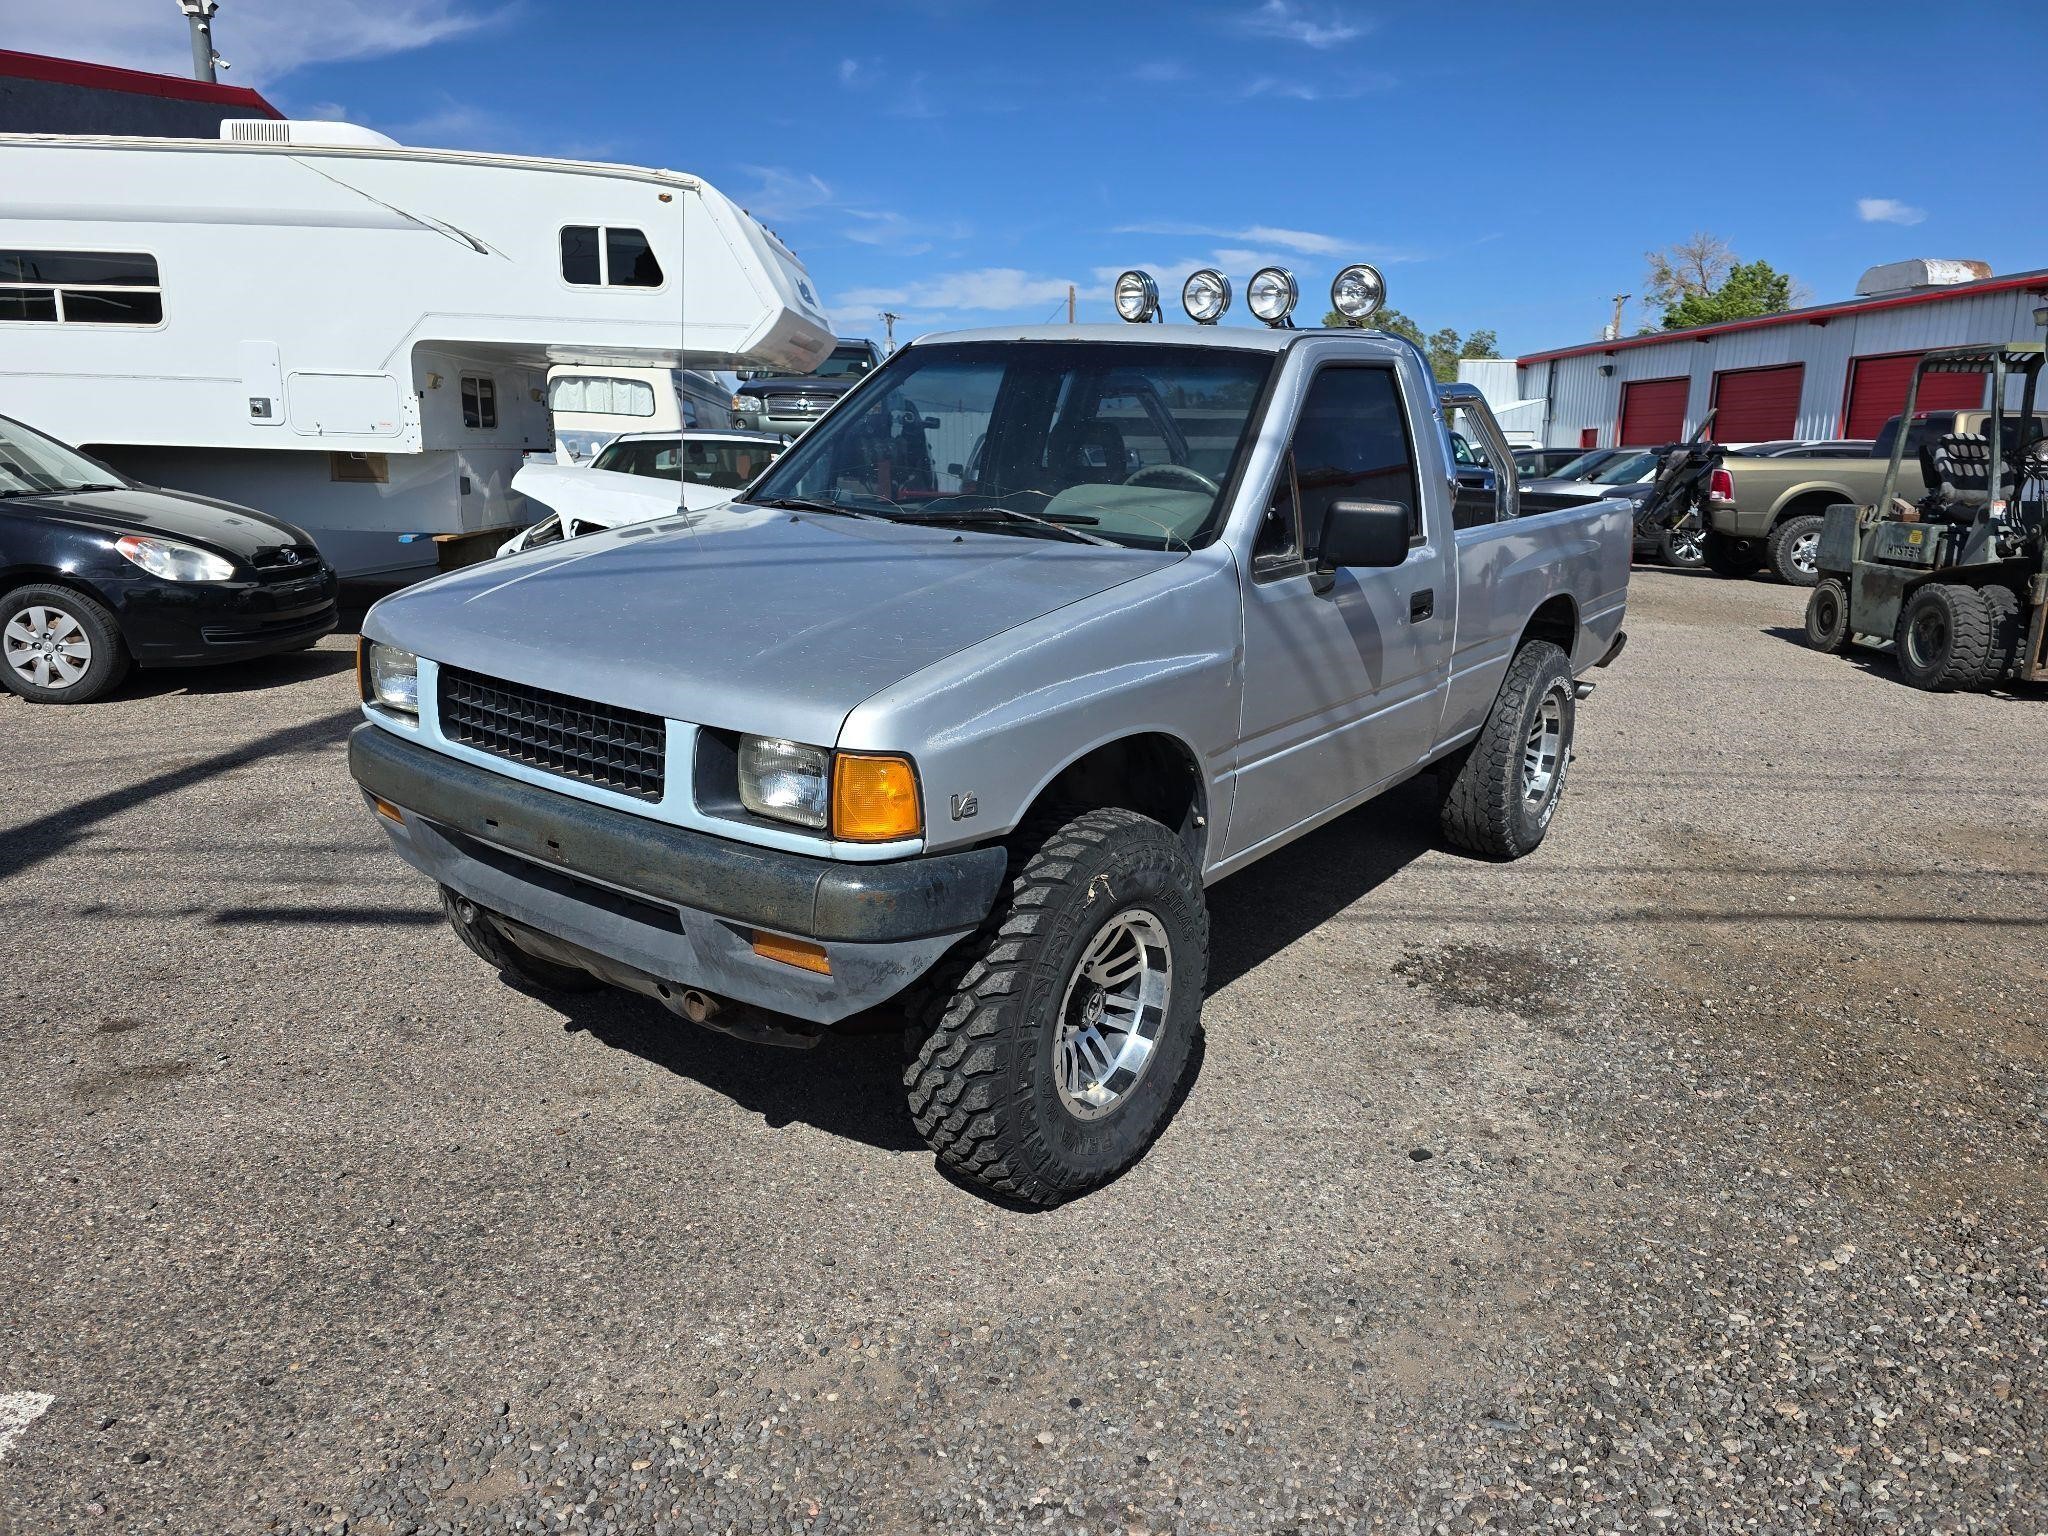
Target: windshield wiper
x=814 y=504
x=1063 y=525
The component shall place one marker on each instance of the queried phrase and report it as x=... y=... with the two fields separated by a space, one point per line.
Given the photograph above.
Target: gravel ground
x=1686 y=1176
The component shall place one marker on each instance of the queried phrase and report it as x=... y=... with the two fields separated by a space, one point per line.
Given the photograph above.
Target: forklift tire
x=1793 y=547
x=1726 y=556
x=1944 y=638
x=1827 y=616
x=2008 y=631
x=472 y=925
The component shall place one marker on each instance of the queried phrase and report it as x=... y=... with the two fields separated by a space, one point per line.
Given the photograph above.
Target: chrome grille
x=798 y=404
x=617 y=749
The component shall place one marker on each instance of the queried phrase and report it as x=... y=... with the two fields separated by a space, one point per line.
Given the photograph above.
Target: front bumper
x=175 y=623
x=668 y=905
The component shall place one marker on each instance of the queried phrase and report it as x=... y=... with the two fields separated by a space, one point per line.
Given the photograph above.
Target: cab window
x=1350 y=444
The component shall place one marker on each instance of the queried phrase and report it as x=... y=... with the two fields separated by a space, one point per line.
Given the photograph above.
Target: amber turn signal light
x=387 y=810
x=874 y=798
x=801 y=953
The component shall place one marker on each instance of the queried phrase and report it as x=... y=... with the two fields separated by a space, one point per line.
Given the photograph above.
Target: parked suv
x=791 y=403
x=971 y=741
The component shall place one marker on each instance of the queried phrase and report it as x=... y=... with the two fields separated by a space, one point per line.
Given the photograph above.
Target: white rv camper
x=353 y=335
x=593 y=405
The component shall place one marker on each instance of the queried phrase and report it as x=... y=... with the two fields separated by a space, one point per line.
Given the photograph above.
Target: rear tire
x=1507 y=785
x=1726 y=556
x=1827 y=616
x=472 y=925
x=1683 y=548
x=58 y=646
x=1026 y=1084
x=1794 y=549
x=1944 y=637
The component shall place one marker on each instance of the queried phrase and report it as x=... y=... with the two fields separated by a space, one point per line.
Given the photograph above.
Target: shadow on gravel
x=848 y=1085
x=1882 y=664
x=32 y=842
x=1286 y=895
x=239 y=676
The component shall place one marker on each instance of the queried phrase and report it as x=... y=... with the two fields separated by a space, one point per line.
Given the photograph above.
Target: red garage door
x=1755 y=405
x=1652 y=413
x=1877 y=392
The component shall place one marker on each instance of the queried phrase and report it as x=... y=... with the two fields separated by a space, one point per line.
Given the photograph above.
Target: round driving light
x=1271 y=294
x=1358 y=292
x=1205 y=296
x=1137 y=297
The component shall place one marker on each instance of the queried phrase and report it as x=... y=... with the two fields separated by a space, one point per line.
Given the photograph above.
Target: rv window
x=84 y=287
x=479 y=402
x=594 y=256
x=597 y=395
x=579 y=255
x=629 y=260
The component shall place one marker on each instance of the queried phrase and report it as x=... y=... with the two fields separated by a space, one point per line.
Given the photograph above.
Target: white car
x=636 y=478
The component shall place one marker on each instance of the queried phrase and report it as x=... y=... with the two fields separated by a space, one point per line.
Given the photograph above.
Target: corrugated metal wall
x=1580 y=397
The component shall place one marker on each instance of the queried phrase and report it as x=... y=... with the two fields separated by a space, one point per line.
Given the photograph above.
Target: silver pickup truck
x=1038 y=634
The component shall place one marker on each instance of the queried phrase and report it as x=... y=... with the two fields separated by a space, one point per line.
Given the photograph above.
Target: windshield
x=1626 y=470
x=1583 y=466
x=34 y=465
x=1127 y=442
x=844 y=363
x=725 y=465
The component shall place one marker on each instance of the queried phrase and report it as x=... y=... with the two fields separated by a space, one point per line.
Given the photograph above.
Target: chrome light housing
x=172 y=560
x=1137 y=297
x=391 y=678
x=1272 y=294
x=786 y=780
x=1205 y=296
x=1358 y=292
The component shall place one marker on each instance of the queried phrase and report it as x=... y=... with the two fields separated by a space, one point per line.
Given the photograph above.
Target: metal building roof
x=1815 y=314
x=136 y=82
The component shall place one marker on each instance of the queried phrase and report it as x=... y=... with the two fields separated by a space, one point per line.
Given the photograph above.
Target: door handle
x=1421 y=604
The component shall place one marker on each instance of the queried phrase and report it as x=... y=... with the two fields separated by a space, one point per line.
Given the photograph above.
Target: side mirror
x=1365 y=533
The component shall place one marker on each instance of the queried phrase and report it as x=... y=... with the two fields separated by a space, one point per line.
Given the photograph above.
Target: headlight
x=1271 y=294
x=785 y=780
x=172 y=561
x=859 y=797
x=1137 y=297
x=1205 y=296
x=391 y=677
x=1358 y=292
x=747 y=405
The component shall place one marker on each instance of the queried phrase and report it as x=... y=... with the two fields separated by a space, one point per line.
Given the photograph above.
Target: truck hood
x=745 y=617
x=837 y=385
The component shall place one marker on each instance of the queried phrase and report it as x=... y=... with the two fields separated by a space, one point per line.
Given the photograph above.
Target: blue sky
x=1507 y=164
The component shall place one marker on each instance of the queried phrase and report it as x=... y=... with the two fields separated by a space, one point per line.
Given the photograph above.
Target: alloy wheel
x=1543 y=750
x=1112 y=1014
x=47 y=647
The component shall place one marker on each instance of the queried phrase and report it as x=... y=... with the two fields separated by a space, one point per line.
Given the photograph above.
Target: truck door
x=1344 y=671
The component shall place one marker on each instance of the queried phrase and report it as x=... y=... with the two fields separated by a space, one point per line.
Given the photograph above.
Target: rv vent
x=265 y=130
x=255 y=130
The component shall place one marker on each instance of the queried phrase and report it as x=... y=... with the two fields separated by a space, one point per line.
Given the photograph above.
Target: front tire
x=1509 y=781
x=1944 y=638
x=472 y=925
x=1728 y=556
x=1794 y=549
x=58 y=646
x=1827 y=616
x=1058 y=1054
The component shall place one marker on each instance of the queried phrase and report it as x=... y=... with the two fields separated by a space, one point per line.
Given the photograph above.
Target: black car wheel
x=58 y=646
x=1685 y=548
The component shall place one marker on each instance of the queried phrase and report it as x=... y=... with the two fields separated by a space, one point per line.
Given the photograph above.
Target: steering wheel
x=1173 y=474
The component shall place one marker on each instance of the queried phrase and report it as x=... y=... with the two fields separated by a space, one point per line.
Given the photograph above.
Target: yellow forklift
x=1958 y=580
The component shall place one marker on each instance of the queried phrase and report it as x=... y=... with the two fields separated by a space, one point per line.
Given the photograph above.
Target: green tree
x=1443 y=348
x=1750 y=289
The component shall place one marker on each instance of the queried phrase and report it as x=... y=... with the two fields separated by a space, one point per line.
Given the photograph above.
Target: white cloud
x=263 y=41
x=1888 y=210
x=1161 y=71
x=991 y=288
x=1294 y=23
x=783 y=196
x=850 y=71
x=1302 y=241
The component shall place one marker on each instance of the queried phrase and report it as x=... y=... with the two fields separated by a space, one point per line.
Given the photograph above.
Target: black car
x=98 y=574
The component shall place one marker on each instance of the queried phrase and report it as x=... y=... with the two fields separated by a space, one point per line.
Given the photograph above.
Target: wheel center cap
x=1091 y=1009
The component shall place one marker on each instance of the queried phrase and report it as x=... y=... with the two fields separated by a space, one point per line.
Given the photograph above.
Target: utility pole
x=1070 y=303
x=889 y=319
x=1614 y=330
x=199 y=17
